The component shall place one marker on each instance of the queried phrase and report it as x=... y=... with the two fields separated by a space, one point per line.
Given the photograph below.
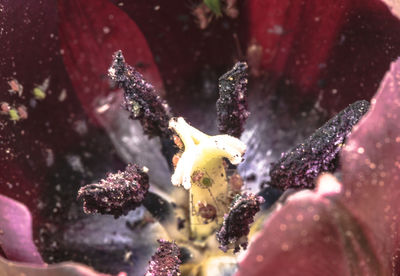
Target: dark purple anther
x=116 y=195
x=141 y=99
x=165 y=262
x=236 y=225
x=299 y=167
x=232 y=104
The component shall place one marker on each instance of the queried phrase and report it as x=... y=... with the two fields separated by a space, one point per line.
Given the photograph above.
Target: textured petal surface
x=300 y=239
x=317 y=48
x=371 y=170
x=63 y=269
x=16 y=232
x=313 y=234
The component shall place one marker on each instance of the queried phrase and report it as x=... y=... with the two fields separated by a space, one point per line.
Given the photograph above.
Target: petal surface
x=371 y=170
x=16 y=232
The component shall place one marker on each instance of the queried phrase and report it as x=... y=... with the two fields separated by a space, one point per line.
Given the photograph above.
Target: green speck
x=207 y=181
x=13 y=115
x=38 y=93
x=214 y=6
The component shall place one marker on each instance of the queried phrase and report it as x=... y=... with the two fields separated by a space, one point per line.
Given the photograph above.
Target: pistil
x=201 y=170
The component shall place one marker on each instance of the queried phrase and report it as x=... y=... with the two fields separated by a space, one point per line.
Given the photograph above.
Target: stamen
x=165 y=262
x=299 y=167
x=141 y=99
x=236 y=225
x=116 y=195
x=232 y=103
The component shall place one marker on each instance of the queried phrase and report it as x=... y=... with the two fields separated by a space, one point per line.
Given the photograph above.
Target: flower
x=308 y=67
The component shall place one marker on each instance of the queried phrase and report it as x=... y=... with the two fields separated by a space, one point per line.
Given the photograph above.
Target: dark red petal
x=302 y=238
x=90 y=32
x=26 y=47
x=336 y=49
x=181 y=47
x=371 y=170
x=359 y=57
x=295 y=36
x=312 y=234
x=63 y=269
x=30 y=54
x=291 y=247
x=16 y=232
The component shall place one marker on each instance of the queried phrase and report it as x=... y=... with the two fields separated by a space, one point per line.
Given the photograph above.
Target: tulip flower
x=63 y=126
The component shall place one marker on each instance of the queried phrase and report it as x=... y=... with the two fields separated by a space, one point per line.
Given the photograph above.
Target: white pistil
x=200 y=148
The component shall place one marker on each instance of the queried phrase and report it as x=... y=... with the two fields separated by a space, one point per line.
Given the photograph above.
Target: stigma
x=199 y=149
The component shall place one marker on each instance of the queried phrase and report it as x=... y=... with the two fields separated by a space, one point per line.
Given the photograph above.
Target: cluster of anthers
x=204 y=165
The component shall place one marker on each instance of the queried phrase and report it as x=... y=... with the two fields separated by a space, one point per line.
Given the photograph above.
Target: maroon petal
x=305 y=237
x=298 y=34
x=185 y=53
x=338 y=50
x=63 y=269
x=16 y=232
x=55 y=125
x=17 y=245
x=371 y=171
x=90 y=32
x=30 y=45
